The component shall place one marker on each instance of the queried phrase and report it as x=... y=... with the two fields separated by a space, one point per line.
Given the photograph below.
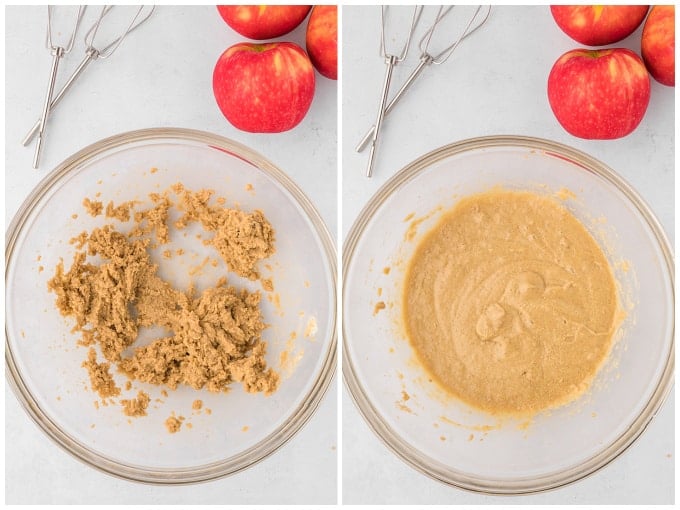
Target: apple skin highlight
x=599 y=94
x=322 y=40
x=598 y=25
x=264 y=88
x=262 y=22
x=658 y=44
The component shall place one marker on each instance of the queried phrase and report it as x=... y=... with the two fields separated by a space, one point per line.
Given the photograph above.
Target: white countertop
x=160 y=77
x=494 y=84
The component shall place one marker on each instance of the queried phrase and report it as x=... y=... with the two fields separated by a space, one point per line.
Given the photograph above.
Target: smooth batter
x=510 y=303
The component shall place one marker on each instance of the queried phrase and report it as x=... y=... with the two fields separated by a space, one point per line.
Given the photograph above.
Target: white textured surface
x=494 y=84
x=161 y=76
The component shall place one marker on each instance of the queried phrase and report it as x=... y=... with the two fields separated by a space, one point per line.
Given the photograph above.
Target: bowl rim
x=298 y=416
x=402 y=448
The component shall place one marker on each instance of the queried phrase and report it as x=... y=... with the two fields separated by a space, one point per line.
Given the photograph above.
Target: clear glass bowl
x=444 y=438
x=43 y=363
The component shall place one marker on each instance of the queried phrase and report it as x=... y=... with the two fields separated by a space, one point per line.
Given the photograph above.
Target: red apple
x=263 y=21
x=599 y=94
x=322 y=39
x=597 y=25
x=658 y=44
x=264 y=88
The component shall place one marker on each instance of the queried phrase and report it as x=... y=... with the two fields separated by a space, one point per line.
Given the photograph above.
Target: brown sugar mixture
x=241 y=239
x=510 y=303
x=173 y=424
x=136 y=406
x=100 y=378
x=211 y=340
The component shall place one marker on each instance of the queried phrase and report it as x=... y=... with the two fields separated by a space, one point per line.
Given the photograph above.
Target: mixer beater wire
x=57 y=53
x=480 y=16
x=142 y=14
x=391 y=60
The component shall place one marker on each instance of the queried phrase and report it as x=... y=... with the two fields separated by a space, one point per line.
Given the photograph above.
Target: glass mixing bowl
x=43 y=363
x=437 y=434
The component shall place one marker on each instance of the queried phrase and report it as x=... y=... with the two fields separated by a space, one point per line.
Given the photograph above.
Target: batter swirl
x=510 y=303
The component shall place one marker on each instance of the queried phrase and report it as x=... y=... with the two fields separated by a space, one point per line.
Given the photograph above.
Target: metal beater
x=58 y=53
x=92 y=54
x=426 y=58
x=391 y=60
